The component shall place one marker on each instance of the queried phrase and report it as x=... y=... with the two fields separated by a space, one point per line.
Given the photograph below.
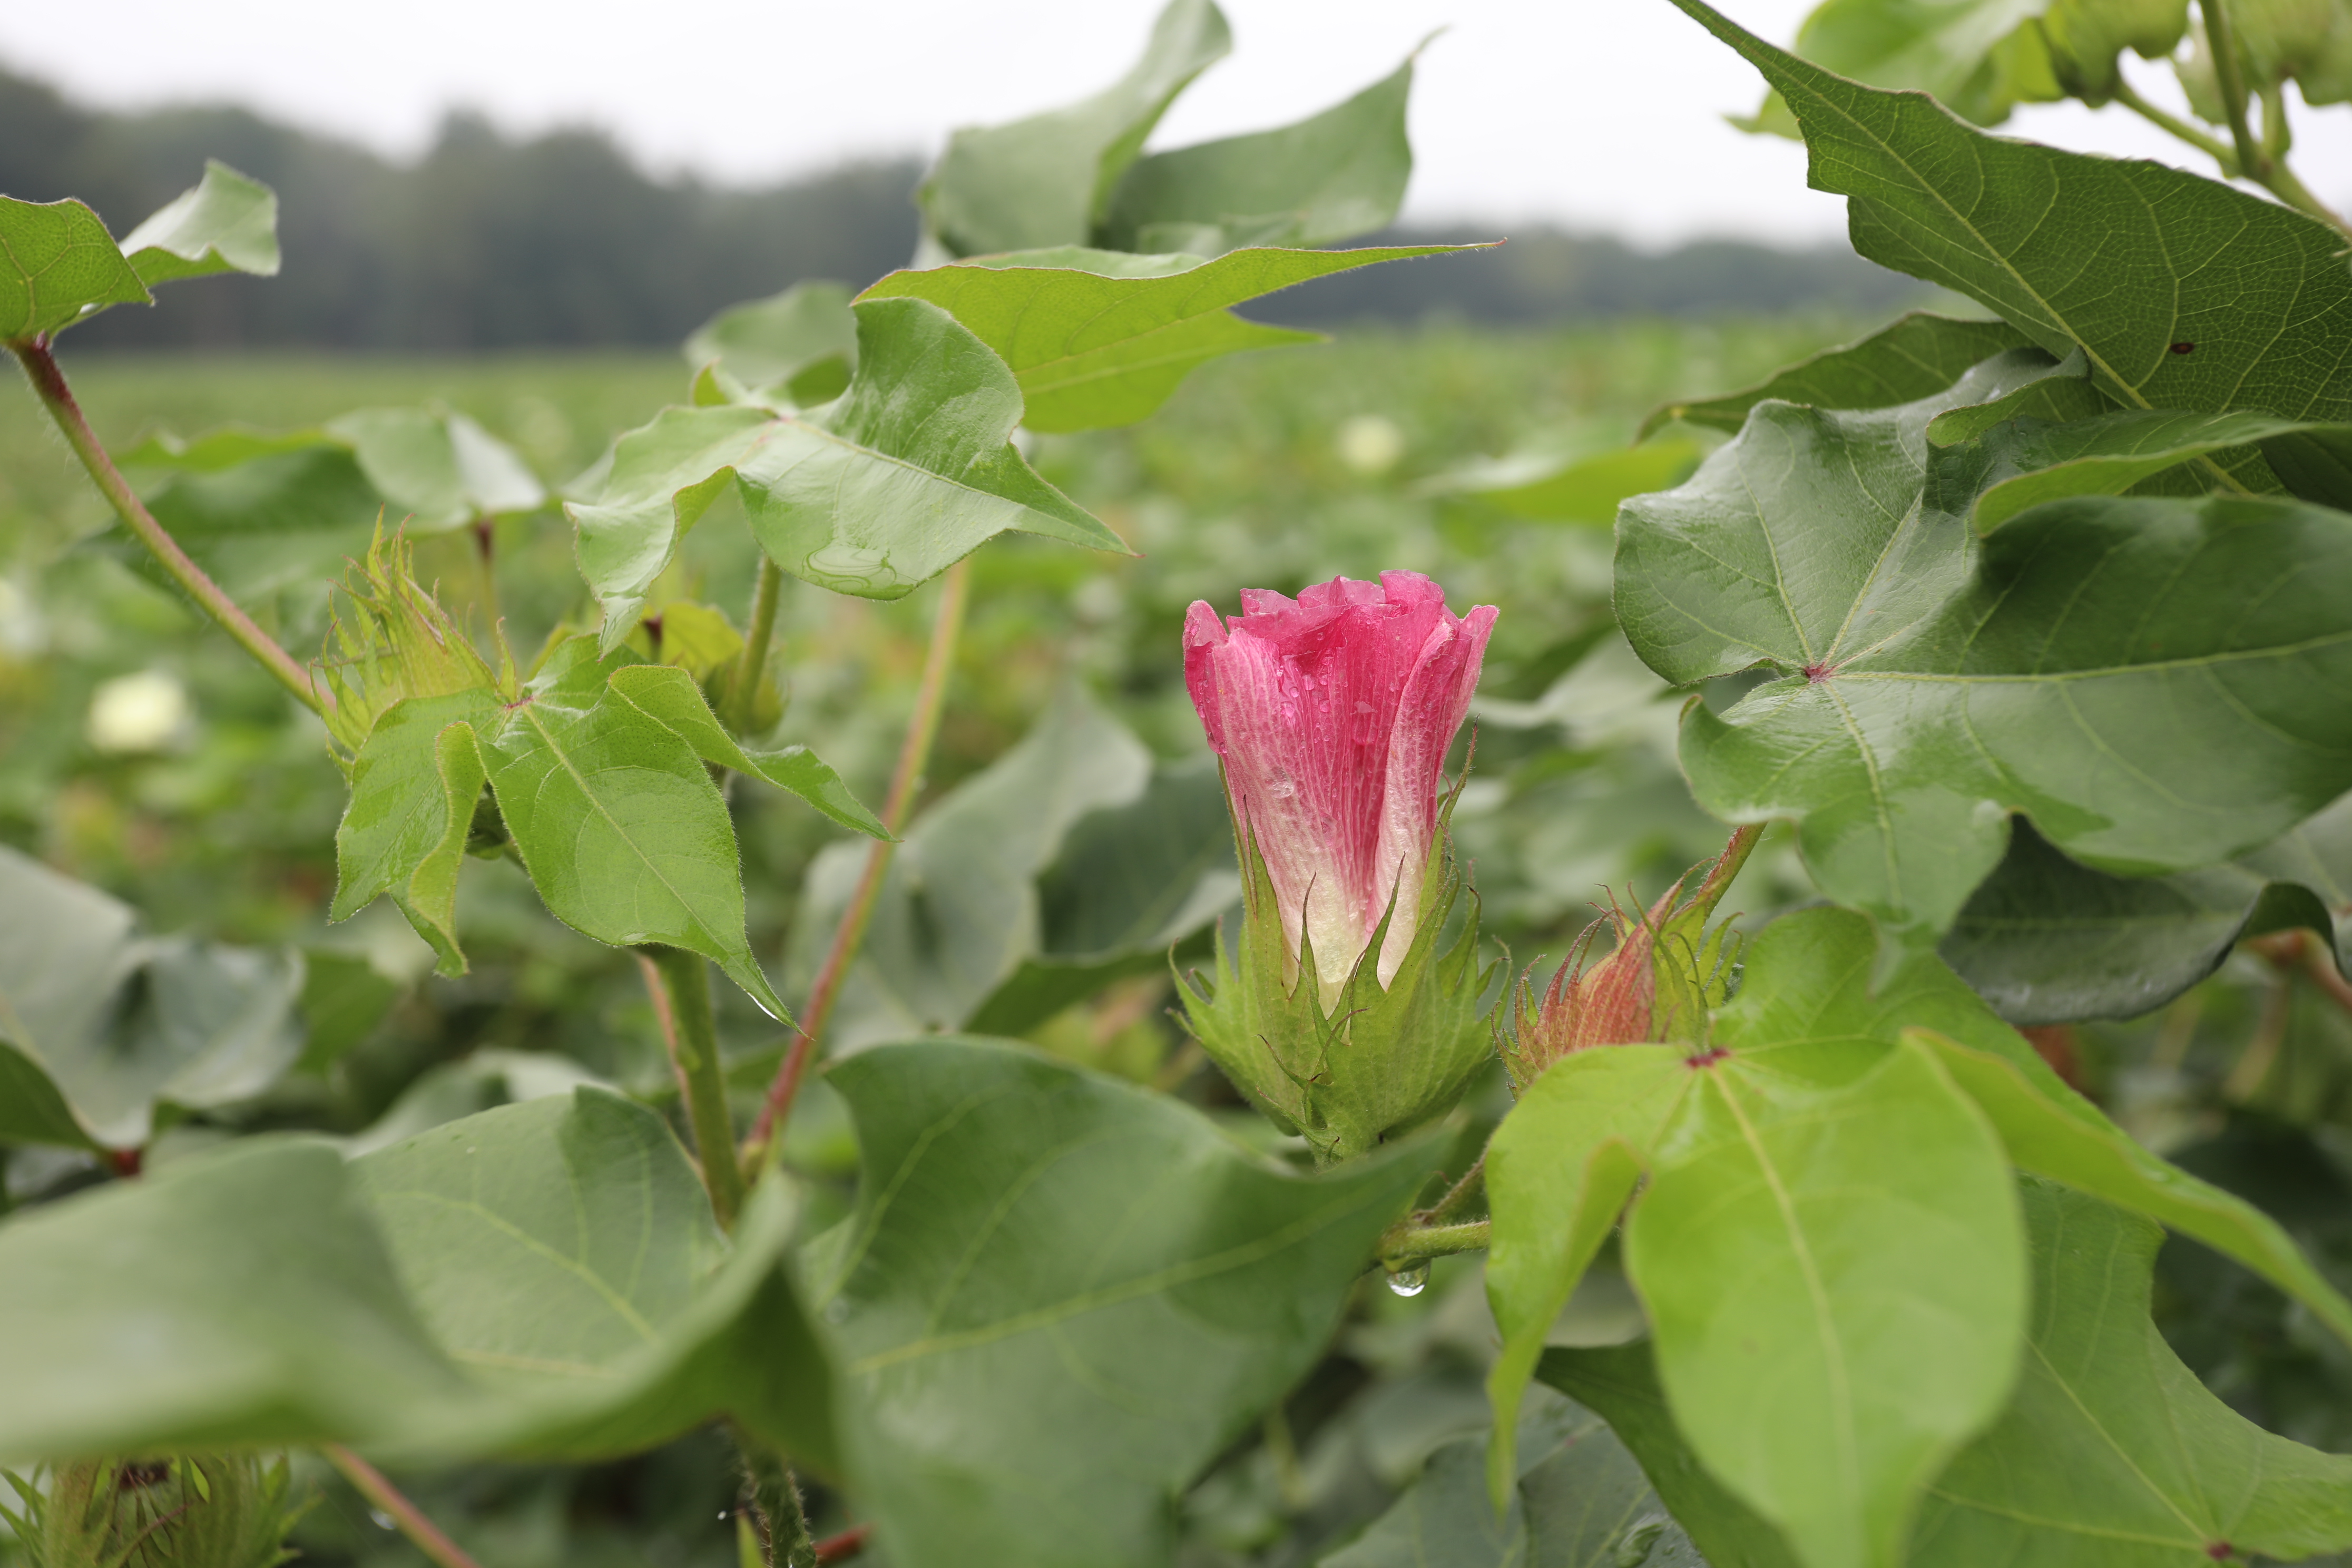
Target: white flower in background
x=141 y=712
x=1369 y=444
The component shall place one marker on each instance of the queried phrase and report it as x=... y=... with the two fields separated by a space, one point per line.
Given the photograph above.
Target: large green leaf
x=1835 y=1280
x=1620 y=1382
x=1331 y=177
x=1917 y=356
x=1060 y=1296
x=2093 y=663
x=1047 y=179
x=1807 y=1047
x=597 y=769
x=99 y=1024
x=542 y=1278
x=436 y=468
x=1097 y=338
x=2184 y=292
x=2112 y=1455
x=1952 y=49
x=2049 y=940
x=1584 y=489
x=874 y=494
x=227 y=223
x=1580 y=1501
x=2052 y=1131
x=56 y=262
x=1027 y=885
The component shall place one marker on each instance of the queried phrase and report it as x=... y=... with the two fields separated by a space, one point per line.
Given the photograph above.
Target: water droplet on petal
x=1410 y=1282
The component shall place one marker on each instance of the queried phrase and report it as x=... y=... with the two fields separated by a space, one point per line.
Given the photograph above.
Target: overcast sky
x=1594 y=113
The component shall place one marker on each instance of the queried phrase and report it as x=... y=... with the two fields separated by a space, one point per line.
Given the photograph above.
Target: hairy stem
x=49 y=381
x=775 y=1497
x=1406 y=1241
x=914 y=756
x=422 y=1533
x=743 y=684
x=679 y=984
x=1458 y=1197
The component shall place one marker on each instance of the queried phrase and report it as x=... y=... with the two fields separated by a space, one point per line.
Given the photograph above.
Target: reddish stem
x=841 y=1548
x=371 y=1484
x=914 y=752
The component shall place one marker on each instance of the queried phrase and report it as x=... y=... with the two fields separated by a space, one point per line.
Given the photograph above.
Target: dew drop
x=1410 y=1282
x=1282 y=788
x=383 y=1520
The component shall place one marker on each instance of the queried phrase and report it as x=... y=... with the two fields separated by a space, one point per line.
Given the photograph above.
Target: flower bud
x=1332 y=715
x=1659 y=984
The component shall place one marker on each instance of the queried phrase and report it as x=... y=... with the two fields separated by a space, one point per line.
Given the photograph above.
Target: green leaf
x=1620 y=1382
x=2092 y=663
x=2048 y=940
x=607 y=803
x=1580 y=1501
x=436 y=468
x=2111 y=1454
x=617 y=821
x=403 y=1302
x=1060 y=1296
x=1096 y=338
x=1047 y=179
x=1952 y=49
x=99 y=1024
x=1130 y=882
x=344 y=997
x=1835 y=1280
x=1331 y=177
x=961 y=910
x=227 y=223
x=801 y=343
x=1917 y=356
x=1559 y=1172
x=2028 y=461
x=1586 y=490
x=2052 y=1131
x=2183 y=293
x=874 y=494
x=668 y=696
x=57 y=263
x=561 y=1252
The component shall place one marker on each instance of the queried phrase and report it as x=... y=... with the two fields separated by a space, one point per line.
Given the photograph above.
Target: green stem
x=422 y=1533
x=2278 y=135
x=914 y=756
x=1406 y=1241
x=1457 y=1197
x=2216 y=150
x=2230 y=76
x=743 y=685
x=679 y=983
x=486 y=550
x=776 y=1499
x=49 y=385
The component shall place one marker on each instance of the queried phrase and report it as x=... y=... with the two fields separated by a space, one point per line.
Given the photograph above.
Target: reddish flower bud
x=1333 y=713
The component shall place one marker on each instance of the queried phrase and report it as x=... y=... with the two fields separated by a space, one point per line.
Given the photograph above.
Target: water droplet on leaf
x=1410 y=1282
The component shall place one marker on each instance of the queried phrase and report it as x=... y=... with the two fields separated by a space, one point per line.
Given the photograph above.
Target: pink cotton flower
x=1333 y=713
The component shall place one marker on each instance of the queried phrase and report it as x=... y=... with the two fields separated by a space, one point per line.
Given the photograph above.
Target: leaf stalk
x=914 y=756
x=679 y=983
x=743 y=685
x=422 y=1533
x=49 y=381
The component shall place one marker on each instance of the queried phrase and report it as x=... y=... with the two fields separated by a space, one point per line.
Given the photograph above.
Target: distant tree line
x=490 y=242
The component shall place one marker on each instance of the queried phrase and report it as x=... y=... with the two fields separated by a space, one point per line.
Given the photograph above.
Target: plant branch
x=914 y=756
x=49 y=381
x=679 y=983
x=370 y=1483
x=1405 y=1241
x=1457 y=1197
x=841 y=1548
x=2164 y=121
x=743 y=685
